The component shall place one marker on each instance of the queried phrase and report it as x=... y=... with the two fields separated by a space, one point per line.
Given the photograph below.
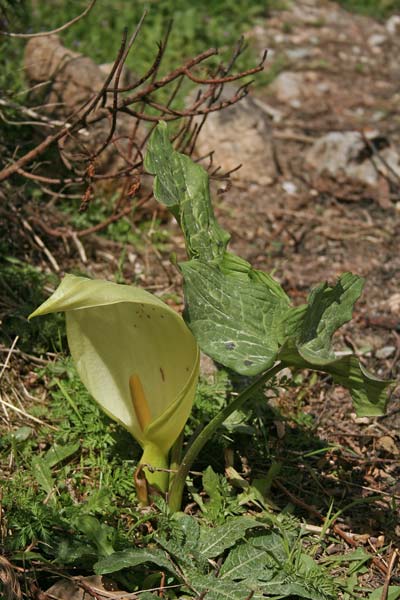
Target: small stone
x=299 y=53
x=287 y=86
x=393 y=25
x=387 y=444
x=360 y=420
x=393 y=301
x=377 y=39
x=289 y=187
x=385 y=352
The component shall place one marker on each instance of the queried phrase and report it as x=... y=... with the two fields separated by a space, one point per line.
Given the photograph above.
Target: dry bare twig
x=139 y=100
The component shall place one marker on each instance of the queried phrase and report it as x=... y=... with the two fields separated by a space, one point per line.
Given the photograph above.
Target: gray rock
x=67 y=81
x=288 y=86
x=345 y=155
x=240 y=135
x=393 y=25
x=337 y=153
x=377 y=39
x=299 y=53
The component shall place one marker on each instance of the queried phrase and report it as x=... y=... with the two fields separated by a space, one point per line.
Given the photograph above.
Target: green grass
x=23 y=289
x=81 y=464
x=196 y=27
x=378 y=9
x=69 y=501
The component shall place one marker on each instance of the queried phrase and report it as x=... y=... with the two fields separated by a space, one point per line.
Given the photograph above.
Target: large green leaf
x=213 y=541
x=183 y=186
x=235 y=318
x=132 y=557
x=328 y=308
x=241 y=317
x=308 y=333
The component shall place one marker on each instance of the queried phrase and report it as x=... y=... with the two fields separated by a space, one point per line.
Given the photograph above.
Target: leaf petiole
x=178 y=483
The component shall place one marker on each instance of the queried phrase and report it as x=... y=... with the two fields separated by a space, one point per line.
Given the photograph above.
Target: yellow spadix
x=136 y=357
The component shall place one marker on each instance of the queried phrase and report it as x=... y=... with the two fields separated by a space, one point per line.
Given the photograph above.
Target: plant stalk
x=178 y=483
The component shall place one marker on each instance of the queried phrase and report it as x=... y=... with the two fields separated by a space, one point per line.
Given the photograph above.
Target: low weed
x=70 y=499
x=377 y=9
x=23 y=286
x=80 y=464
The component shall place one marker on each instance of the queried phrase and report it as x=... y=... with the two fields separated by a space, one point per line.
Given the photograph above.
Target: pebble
x=299 y=53
x=393 y=25
x=385 y=352
x=289 y=187
x=377 y=39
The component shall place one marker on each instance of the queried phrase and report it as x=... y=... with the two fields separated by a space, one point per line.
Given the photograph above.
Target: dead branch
x=111 y=104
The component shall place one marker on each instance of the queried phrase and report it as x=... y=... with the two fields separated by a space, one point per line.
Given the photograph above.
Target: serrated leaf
x=133 y=557
x=393 y=593
x=213 y=541
x=100 y=534
x=266 y=563
x=42 y=473
x=244 y=562
x=189 y=532
x=216 y=589
x=58 y=453
x=210 y=482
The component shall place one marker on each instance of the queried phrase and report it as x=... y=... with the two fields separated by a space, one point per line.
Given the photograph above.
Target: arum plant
x=136 y=357
x=241 y=316
x=140 y=361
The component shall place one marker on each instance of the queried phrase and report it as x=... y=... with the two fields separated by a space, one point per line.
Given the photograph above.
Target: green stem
x=175 y=458
x=176 y=489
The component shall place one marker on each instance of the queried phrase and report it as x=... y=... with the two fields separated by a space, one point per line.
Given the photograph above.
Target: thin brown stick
x=114 y=110
x=68 y=127
x=392 y=563
x=228 y=79
x=57 y=30
x=336 y=529
x=152 y=87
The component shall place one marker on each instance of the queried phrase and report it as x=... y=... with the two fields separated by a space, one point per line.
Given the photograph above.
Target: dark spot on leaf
x=162 y=373
x=248 y=363
x=148 y=316
x=230 y=345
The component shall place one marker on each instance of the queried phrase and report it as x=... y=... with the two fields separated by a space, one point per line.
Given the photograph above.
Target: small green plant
x=239 y=558
x=23 y=288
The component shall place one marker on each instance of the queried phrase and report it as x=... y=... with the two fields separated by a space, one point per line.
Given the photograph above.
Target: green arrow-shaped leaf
x=241 y=317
